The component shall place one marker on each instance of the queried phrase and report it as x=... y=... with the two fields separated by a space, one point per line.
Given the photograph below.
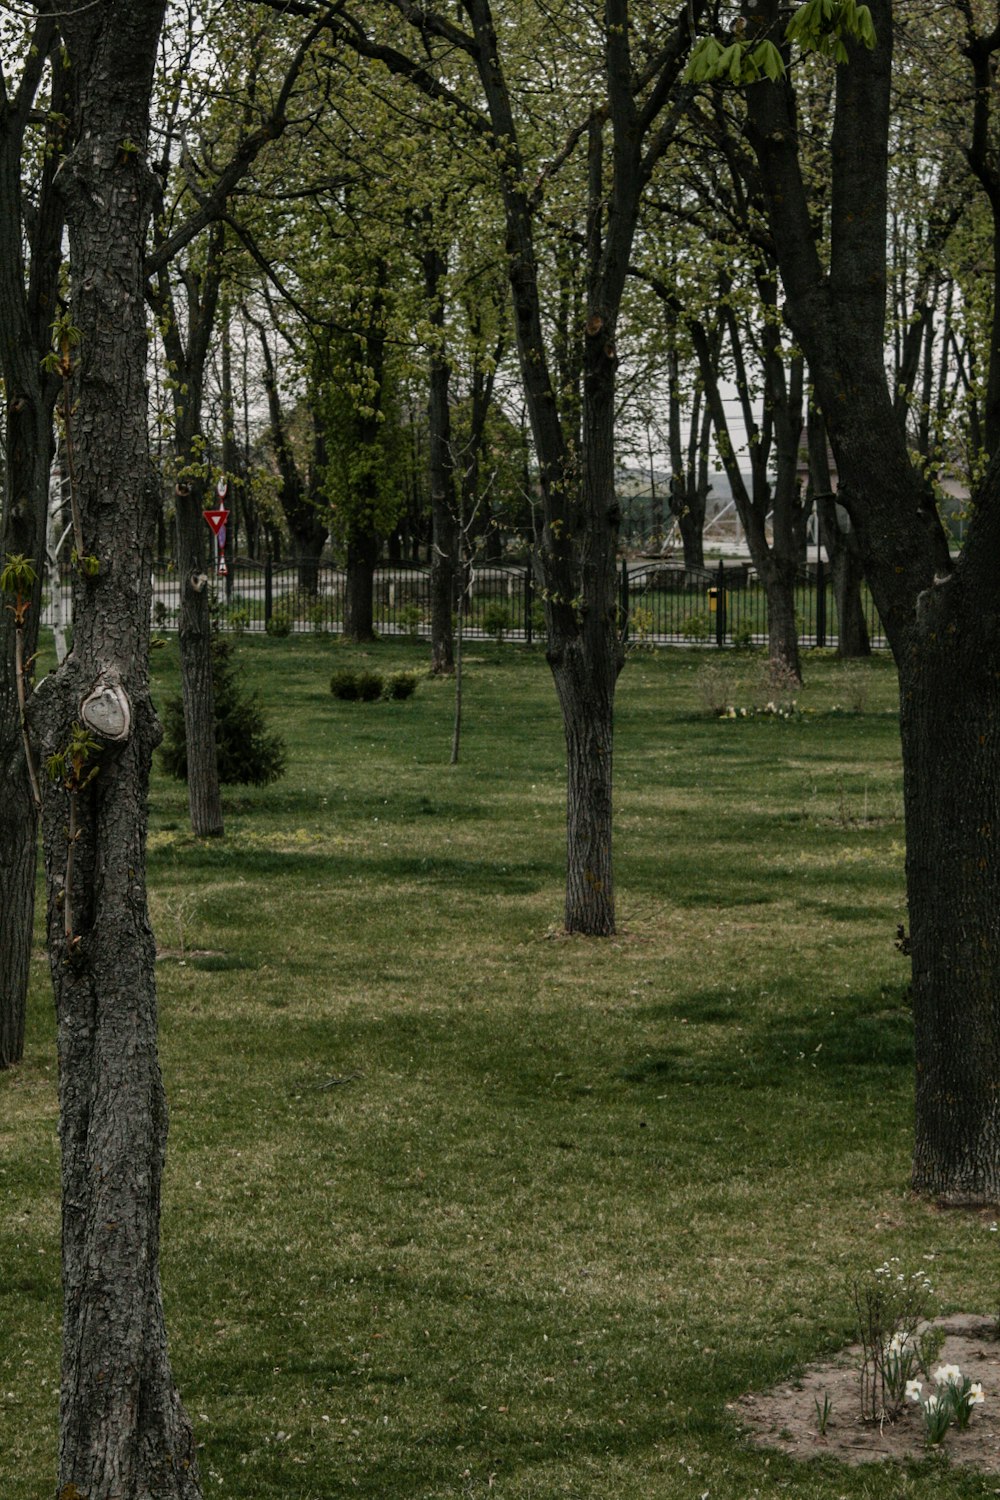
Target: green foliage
x=498 y=618
x=70 y=765
x=821 y=26
x=400 y=685
x=298 y=605
x=825 y=25
x=410 y=618
x=696 y=628
x=370 y=686
x=249 y=754
x=18 y=575
x=352 y=685
x=738 y=62
x=344 y=685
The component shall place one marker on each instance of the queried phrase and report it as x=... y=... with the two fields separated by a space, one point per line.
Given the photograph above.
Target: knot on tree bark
x=106 y=711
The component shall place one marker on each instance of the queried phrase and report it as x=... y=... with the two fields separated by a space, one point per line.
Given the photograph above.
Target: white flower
x=946 y=1375
x=974 y=1395
x=931 y=1404
x=897 y=1343
x=913 y=1389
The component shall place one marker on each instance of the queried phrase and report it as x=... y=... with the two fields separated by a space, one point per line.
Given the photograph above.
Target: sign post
x=217 y=520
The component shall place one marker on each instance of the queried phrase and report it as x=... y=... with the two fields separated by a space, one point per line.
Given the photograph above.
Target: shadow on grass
x=484 y=877
x=872 y=1036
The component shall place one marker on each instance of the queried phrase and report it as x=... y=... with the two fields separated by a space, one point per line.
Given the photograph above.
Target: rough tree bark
x=123 y=1431
x=27 y=307
x=943 y=623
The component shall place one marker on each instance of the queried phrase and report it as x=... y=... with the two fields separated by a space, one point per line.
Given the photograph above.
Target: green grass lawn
x=456 y=1206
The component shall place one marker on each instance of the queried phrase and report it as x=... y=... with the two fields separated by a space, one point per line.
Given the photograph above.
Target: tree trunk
x=847 y=574
x=847 y=570
x=778 y=577
x=22 y=531
x=359 y=588
x=25 y=315
x=123 y=1431
x=194 y=638
x=941 y=620
x=441 y=464
x=309 y=546
x=951 y=757
x=586 y=693
x=586 y=655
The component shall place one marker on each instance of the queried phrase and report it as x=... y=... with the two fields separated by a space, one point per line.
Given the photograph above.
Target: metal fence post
x=268 y=591
x=528 y=604
x=623 y=600
x=820 y=603
x=720 y=607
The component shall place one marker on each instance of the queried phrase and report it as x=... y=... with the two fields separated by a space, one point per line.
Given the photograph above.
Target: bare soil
x=787 y=1417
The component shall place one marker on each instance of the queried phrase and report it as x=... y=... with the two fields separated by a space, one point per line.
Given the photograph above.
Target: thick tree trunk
x=951 y=756
x=359 y=588
x=123 y=1431
x=586 y=655
x=941 y=620
x=309 y=546
x=778 y=577
x=691 y=523
x=586 y=691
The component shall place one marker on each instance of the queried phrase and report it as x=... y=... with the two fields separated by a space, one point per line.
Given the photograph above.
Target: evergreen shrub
x=249 y=754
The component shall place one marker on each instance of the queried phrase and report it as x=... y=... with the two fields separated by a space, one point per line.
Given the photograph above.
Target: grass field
x=456 y=1206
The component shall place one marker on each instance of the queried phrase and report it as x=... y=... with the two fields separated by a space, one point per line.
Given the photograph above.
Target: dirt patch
x=786 y=1417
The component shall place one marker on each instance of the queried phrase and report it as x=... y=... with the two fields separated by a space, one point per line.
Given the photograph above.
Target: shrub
x=297 y=605
x=410 y=618
x=344 y=685
x=497 y=620
x=352 y=686
x=238 y=619
x=370 y=685
x=401 y=685
x=696 y=628
x=640 y=628
x=249 y=754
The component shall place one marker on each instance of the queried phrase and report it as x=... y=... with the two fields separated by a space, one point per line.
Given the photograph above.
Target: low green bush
x=344 y=685
x=366 y=687
x=497 y=620
x=370 y=686
x=401 y=685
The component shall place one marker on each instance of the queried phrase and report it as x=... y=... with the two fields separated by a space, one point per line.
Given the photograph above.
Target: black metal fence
x=663 y=602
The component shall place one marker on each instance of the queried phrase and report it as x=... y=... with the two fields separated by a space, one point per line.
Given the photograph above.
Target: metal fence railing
x=664 y=602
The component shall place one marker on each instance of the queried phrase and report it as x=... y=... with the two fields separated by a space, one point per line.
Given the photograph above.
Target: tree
x=941 y=618
x=633 y=70
x=30 y=220
x=123 y=1429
